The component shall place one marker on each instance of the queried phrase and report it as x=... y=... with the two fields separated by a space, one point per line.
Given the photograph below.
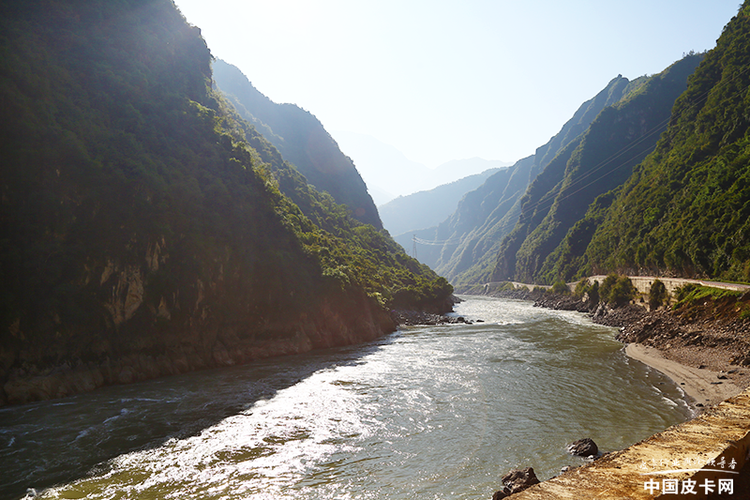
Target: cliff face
x=205 y=343
x=145 y=228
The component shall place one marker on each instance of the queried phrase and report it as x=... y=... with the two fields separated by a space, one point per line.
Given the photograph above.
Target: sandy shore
x=703 y=385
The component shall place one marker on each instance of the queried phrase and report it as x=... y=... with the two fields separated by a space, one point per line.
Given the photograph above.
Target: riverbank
x=702 y=351
x=705 y=387
x=705 y=350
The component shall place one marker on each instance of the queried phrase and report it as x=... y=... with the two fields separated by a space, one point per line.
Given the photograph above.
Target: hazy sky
x=443 y=80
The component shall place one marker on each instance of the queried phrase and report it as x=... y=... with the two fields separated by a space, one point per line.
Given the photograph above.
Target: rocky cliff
x=204 y=343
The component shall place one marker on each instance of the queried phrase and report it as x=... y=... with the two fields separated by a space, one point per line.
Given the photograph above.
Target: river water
x=428 y=412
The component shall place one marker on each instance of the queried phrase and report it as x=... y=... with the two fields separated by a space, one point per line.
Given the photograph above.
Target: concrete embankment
x=643 y=283
x=704 y=458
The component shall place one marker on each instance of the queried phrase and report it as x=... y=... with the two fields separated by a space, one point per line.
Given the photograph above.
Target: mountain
x=428 y=208
x=301 y=139
x=147 y=229
x=464 y=246
x=686 y=209
x=599 y=160
x=386 y=170
x=390 y=173
x=453 y=170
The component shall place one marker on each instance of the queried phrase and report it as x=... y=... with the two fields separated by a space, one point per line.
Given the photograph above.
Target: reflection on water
x=438 y=411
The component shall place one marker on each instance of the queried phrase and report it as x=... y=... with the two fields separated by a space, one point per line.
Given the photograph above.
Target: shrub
x=606 y=287
x=560 y=288
x=617 y=290
x=593 y=292
x=622 y=292
x=582 y=287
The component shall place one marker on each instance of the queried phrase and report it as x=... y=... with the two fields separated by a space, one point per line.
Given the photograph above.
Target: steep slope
x=144 y=230
x=599 y=160
x=464 y=246
x=302 y=140
x=686 y=208
x=428 y=208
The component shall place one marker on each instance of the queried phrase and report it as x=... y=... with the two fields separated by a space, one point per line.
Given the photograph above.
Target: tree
x=560 y=288
x=622 y=292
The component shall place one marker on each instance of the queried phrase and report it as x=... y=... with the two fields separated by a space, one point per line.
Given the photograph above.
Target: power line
x=449 y=241
x=659 y=128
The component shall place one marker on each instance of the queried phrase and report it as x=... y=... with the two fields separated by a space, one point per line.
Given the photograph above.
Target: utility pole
x=414 y=245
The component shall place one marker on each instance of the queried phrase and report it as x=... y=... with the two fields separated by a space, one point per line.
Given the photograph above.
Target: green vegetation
x=686 y=208
x=561 y=288
x=135 y=202
x=585 y=288
x=554 y=228
x=302 y=141
x=693 y=293
x=657 y=295
x=694 y=301
x=617 y=290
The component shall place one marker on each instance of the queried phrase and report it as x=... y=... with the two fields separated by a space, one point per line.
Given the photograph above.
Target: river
x=438 y=412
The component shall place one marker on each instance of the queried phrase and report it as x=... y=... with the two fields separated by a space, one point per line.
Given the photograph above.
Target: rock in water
x=585 y=447
x=515 y=481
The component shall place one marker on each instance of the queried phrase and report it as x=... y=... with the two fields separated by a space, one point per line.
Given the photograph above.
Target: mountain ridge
x=475 y=230
x=622 y=134
x=301 y=139
x=685 y=209
x=146 y=229
x=427 y=208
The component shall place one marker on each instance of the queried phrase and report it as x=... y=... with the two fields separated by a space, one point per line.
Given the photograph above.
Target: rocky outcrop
x=516 y=481
x=413 y=318
x=585 y=447
x=203 y=346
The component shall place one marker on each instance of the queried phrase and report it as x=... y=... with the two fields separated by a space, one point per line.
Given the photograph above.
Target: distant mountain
x=389 y=173
x=301 y=139
x=464 y=246
x=457 y=169
x=599 y=160
x=386 y=170
x=428 y=208
x=686 y=209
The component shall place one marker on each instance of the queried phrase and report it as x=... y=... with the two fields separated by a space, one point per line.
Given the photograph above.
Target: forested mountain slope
x=686 y=208
x=464 y=246
x=599 y=160
x=302 y=140
x=145 y=230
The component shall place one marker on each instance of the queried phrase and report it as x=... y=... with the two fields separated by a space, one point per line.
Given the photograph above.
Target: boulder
x=585 y=447
x=515 y=481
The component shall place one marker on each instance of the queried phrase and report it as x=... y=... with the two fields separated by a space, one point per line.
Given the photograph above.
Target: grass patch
x=692 y=294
